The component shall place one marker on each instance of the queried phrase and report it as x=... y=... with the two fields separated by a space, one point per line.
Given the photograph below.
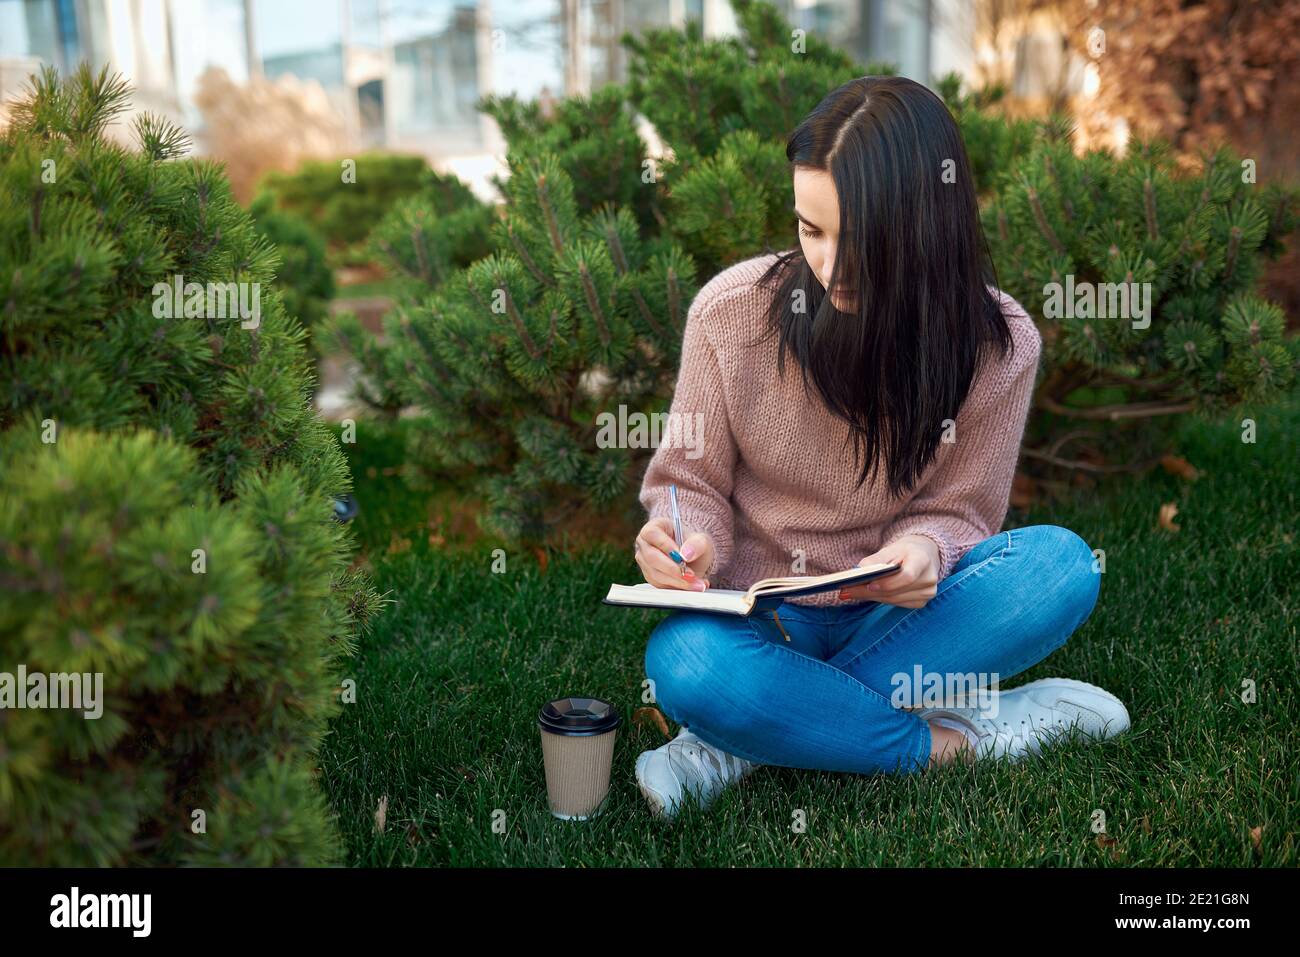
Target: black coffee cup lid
x=578 y=716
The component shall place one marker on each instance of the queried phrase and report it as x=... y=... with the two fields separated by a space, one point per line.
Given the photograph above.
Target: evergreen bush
x=345 y=202
x=579 y=308
x=165 y=510
x=304 y=278
x=1142 y=276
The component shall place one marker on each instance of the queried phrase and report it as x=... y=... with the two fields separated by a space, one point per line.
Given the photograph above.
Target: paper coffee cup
x=578 y=750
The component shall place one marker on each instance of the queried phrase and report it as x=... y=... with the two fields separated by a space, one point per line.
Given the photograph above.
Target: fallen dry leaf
x=651 y=716
x=381 y=815
x=1177 y=465
x=1167 y=512
x=541 y=559
x=1105 y=841
x=1256 y=836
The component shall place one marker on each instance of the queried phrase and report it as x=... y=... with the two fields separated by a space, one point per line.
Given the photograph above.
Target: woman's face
x=816 y=203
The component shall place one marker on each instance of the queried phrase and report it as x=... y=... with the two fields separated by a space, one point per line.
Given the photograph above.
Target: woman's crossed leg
x=829 y=697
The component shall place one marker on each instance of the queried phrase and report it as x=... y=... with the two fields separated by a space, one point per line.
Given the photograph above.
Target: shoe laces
x=1039 y=726
x=697 y=761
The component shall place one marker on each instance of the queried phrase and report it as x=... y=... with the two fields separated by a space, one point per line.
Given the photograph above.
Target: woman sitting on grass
x=926 y=370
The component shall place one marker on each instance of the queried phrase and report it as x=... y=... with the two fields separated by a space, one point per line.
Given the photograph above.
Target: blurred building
x=160 y=46
x=405 y=74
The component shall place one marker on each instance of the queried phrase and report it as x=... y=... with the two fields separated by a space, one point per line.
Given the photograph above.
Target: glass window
x=527 y=44
x=206 y=34
x=28 y=29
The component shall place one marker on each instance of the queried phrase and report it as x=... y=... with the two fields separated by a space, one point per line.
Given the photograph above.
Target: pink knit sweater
x=770 y=478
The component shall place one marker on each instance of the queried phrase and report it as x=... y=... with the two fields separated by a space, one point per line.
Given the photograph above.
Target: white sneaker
x=685 y=765
x=1037 y=715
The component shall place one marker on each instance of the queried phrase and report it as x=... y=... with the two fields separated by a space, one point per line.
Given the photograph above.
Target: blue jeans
x=822 y=699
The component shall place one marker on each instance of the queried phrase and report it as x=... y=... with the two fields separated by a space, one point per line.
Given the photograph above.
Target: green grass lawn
x=450 y=681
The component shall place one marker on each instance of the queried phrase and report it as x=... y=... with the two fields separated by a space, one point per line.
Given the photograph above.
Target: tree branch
x=1075 y=465
x=1114 y=413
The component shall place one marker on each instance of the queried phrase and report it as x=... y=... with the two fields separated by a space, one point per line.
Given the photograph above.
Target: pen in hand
x=676 y=553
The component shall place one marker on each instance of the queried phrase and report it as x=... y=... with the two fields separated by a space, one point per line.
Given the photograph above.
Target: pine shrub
x=345 y=198
x=304 y=279
x=1142 y=275
x=165 y=511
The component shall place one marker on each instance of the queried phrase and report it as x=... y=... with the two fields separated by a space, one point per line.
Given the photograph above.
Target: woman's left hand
x=912 y=587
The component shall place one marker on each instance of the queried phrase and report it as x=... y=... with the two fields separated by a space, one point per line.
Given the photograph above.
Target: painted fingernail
x=688 y=552
x=698 y=586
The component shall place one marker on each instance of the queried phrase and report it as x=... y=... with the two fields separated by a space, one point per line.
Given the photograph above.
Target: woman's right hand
x=655 y=541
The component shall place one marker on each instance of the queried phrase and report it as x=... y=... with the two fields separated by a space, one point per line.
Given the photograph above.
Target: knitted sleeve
x=697 y=451
x=965 y=497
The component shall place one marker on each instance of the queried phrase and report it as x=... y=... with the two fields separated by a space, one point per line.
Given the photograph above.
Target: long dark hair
x=912 y=251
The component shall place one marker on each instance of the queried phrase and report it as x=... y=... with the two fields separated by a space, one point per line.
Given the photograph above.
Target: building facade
x=405 y=74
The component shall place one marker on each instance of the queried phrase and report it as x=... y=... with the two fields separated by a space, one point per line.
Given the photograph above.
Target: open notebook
x=729 y=602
